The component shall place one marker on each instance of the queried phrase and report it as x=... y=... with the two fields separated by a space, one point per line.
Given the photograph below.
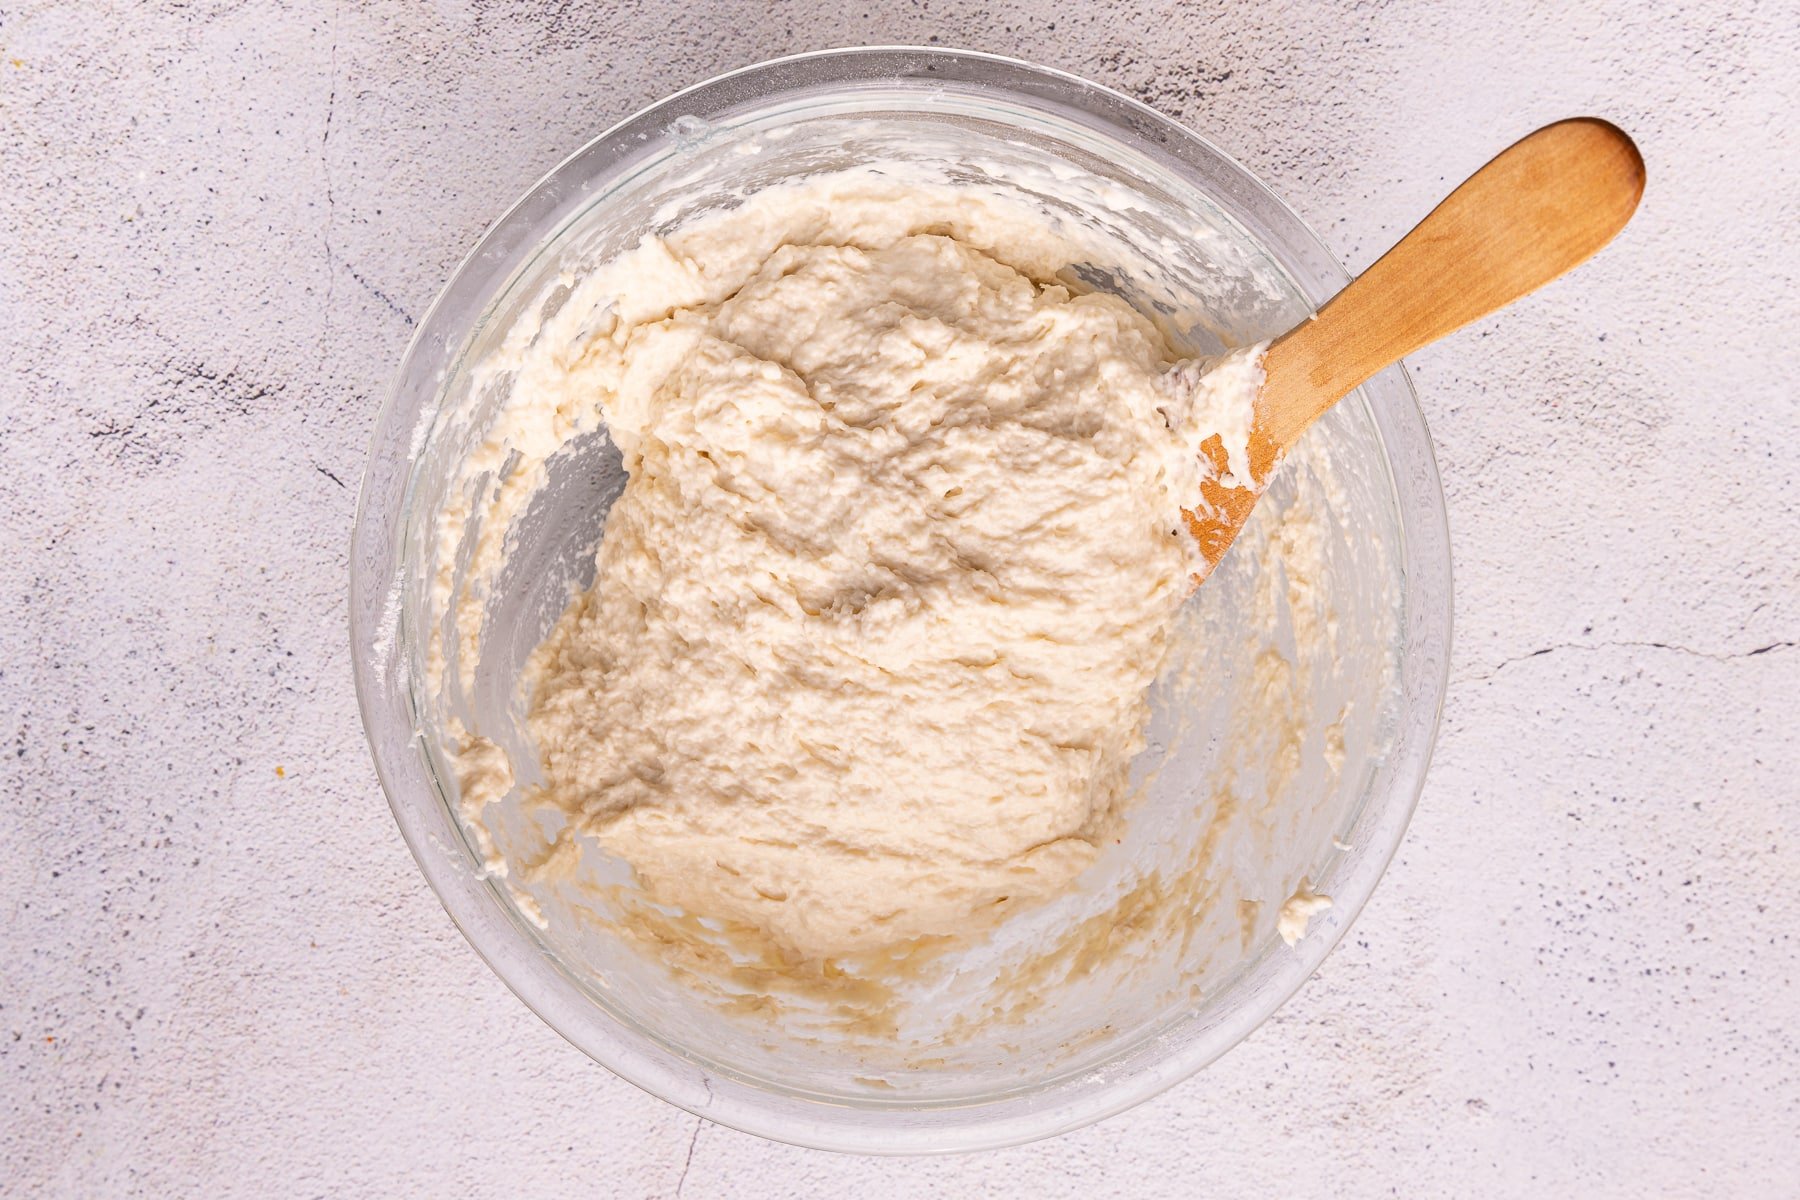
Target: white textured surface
x=219 y=222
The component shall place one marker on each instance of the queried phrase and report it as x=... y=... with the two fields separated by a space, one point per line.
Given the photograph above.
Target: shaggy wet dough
x=867 y=651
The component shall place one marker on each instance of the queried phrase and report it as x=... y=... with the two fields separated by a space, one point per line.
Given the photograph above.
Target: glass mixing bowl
x=1190 y=238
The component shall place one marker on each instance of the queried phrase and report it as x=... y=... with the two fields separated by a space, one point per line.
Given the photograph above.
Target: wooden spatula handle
x=1543 y=206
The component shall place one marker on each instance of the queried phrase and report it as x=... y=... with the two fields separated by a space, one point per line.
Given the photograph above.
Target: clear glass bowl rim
x=429 y=827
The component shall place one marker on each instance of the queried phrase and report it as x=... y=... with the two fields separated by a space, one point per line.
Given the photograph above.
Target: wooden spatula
x=1545 y=205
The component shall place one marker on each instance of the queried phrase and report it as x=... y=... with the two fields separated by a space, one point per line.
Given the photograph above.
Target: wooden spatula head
x=1544 y=206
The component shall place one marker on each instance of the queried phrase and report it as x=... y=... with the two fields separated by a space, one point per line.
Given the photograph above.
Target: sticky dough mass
x=867 y=651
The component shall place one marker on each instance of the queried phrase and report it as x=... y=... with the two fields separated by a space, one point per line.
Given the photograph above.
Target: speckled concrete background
x=220 y=972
